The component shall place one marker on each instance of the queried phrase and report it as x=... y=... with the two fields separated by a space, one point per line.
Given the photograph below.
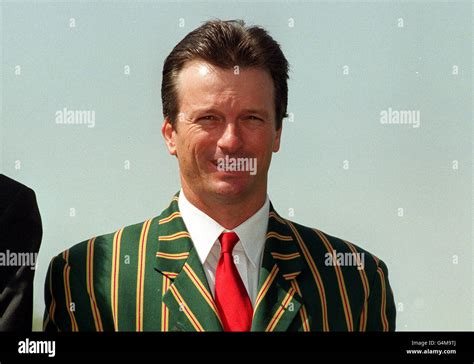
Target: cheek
x=194 y=149
x=262 y=151
x=262 y=144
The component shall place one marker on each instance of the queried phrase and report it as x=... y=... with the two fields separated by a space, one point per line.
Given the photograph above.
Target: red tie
x=232 y=300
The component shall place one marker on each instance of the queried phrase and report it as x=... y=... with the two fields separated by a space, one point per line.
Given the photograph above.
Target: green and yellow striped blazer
x=148 y=277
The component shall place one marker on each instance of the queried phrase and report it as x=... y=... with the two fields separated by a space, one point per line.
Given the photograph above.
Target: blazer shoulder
x=319 y=242
x=101 y=246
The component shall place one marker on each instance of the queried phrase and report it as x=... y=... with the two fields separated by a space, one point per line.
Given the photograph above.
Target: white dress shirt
x=247 y=252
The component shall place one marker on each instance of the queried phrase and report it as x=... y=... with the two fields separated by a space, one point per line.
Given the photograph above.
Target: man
x=219 y=257
x=20 y=239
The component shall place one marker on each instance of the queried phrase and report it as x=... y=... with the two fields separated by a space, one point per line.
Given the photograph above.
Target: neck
x=228 y=213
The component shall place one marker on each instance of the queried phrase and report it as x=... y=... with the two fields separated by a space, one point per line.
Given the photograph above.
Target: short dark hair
x=227 y=44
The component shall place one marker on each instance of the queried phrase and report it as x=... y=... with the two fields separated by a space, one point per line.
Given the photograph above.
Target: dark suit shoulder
x=11 y=191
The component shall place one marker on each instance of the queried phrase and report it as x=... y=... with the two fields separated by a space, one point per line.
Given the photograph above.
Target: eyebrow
x=261 y=112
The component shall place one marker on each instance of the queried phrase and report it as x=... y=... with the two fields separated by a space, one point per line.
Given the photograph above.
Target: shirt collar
x=205 y=231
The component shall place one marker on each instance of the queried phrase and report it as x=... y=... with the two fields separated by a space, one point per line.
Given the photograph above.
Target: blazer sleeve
x=64 y=292
x=55 y=302
x=381 y=311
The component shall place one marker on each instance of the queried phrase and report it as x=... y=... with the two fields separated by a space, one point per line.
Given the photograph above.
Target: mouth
x=234 y=165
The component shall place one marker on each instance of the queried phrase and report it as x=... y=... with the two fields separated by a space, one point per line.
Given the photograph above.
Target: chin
x=230 y=189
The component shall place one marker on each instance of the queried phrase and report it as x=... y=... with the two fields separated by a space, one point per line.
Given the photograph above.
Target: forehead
x=201 y=84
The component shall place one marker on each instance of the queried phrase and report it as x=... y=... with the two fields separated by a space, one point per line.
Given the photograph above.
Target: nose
x=231 y=140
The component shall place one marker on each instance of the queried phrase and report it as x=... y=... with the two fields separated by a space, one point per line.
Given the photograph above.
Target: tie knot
x=228 y=241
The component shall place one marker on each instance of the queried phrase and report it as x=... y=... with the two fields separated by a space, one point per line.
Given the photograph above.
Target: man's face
x=224 y=116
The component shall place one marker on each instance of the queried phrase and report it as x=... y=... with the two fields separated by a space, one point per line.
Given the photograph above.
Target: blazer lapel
x=187 y=303
x=279 y=299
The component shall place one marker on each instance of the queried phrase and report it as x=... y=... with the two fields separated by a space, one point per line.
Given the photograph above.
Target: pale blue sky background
x=336 y=119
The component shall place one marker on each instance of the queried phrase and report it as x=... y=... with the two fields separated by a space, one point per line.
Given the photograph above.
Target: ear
x=169 y=135
x=277 y=139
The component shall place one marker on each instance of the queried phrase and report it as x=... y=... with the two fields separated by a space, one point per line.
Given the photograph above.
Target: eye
x=253 y=117
x=207 y=117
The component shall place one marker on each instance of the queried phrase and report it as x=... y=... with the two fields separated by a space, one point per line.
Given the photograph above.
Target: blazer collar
x=279 y=299
x=186 y=292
